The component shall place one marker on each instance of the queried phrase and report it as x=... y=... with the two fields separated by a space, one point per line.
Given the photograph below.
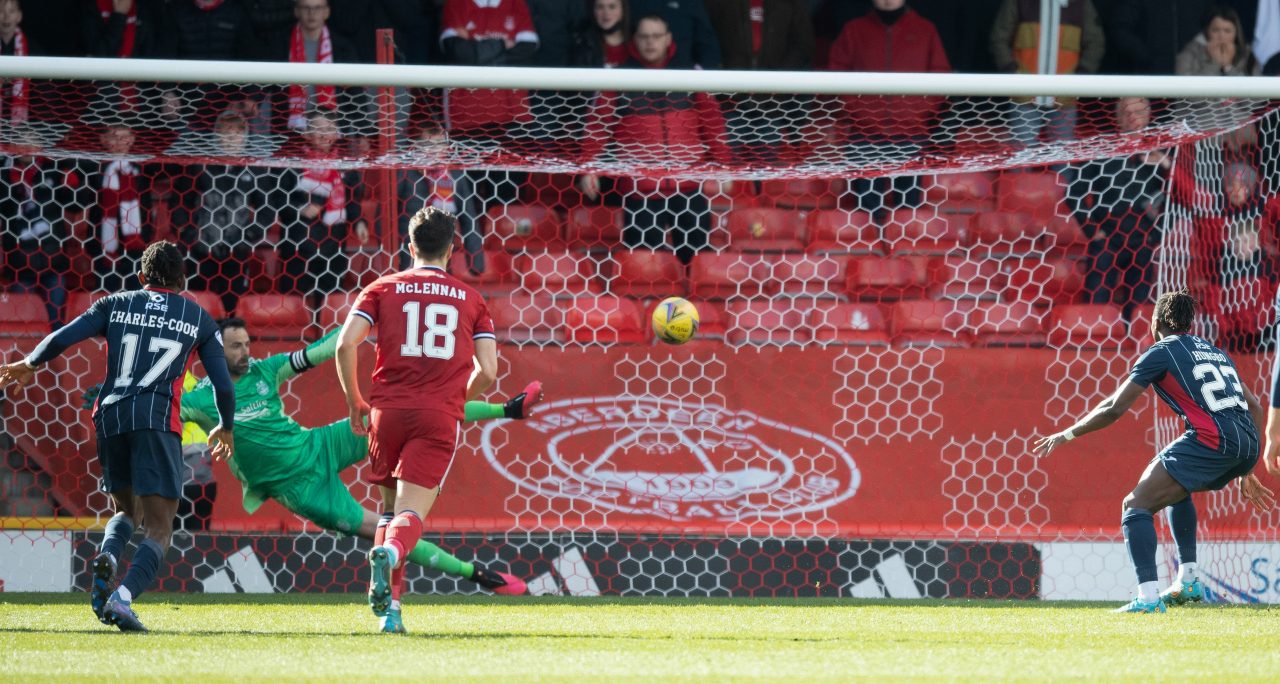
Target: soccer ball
x=675 y=321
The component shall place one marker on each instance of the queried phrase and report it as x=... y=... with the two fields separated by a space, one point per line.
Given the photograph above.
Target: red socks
x=402 y=535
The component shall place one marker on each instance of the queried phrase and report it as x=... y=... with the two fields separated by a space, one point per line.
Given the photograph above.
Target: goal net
x=898 y=294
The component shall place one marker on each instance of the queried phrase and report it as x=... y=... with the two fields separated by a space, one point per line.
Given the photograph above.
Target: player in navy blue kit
x=1200 y=383
x=151 y=334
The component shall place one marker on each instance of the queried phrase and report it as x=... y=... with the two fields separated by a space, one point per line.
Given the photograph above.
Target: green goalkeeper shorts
x=321 y=496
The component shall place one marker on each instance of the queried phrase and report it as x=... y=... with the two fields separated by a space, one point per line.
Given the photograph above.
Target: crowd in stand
x=220 y=211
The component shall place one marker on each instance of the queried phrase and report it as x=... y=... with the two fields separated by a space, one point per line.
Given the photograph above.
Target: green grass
x=248 y=638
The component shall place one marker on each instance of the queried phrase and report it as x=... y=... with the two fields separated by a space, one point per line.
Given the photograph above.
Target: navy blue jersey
x=151 y=335
x=1200 y=383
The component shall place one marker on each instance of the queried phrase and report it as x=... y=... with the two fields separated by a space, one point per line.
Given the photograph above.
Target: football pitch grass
x=242 y=638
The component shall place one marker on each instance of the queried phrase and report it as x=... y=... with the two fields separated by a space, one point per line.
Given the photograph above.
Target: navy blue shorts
x=1200 y=469
x=147 y=461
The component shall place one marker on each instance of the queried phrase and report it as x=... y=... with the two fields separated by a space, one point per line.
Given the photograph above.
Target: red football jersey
x=427 y=323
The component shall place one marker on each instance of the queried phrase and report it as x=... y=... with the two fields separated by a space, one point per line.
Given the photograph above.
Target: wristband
x=1068 y=434
x=29 y=365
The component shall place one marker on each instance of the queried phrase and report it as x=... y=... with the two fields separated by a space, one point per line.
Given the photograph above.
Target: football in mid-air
x=675 y=321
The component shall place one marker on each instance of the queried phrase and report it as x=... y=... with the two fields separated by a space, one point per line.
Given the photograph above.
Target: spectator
x=449 y=189
x=1118 y=203
x=15 y=93
x=140 y=29
x=1145 y=35
x=605 y=40
x=310 y=40
x=120 y=207
x=763 y=34
x=697 y=45
x=487 y=33
x=227 y=211
x=1015 y=47
x=691 y=130
x=213 y=29
x=33 y=238
x=323 y=206
x=888 y=130
x=1220 y=49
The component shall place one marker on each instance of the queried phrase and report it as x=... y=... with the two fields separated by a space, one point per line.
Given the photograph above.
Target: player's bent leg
x=103 y=566
x=1186 y=587
x=1154 y=491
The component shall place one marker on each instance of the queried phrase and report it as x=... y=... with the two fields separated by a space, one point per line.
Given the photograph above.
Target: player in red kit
x=435 y=351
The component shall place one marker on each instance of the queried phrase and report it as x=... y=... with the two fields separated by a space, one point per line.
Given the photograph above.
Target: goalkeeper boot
x=1182 y=593
x=518 y=407
x=104 y=573
x=380 y=564
x=119 y=613
x=391 y=622
x=1139 y=606
x=498 y=582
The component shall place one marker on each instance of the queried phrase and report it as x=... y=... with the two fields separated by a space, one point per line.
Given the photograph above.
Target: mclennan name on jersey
x=434 y=288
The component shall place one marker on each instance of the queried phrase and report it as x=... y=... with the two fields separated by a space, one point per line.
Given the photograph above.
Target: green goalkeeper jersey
x=270 y=446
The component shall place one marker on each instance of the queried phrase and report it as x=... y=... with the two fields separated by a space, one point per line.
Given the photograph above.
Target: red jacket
x=487 y=24
x=910 y=44
x=658 y=132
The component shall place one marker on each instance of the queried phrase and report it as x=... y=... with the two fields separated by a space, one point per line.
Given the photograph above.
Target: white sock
x=1187 y=573
x=125 y=595
x=1148 y=591
x=395 y=604
x=391 y=553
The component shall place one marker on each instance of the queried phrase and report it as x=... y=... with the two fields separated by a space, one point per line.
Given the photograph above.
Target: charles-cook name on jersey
x=153 y=321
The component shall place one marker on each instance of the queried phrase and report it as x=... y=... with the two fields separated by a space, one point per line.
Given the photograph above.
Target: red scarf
x=13 y=100
x=130 y=26
x=207 y=5
x=328 y=184
x=121 y=207
x=326 y=96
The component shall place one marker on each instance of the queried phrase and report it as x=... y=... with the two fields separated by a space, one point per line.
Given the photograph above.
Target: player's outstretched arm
x=1104 y=414
x=310 y=356
x=354 y=331
x=515 y=408
x=221 y=442
x=20 y=373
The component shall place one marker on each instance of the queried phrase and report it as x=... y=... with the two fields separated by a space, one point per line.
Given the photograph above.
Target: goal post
x=902 y=279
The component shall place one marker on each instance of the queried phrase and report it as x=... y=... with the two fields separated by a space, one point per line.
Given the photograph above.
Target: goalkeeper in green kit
x=279 y=459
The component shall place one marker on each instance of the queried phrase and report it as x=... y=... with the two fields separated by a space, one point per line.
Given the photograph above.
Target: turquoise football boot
x=1139 y=606
x=391 y=622
x=379 y=580
x=1182 y=593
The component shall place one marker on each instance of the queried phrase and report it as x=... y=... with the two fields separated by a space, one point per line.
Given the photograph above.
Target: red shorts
x=413 y=445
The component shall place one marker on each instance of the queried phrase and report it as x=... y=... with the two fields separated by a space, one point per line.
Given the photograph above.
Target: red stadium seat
x=604 y=320
x=524 y=318
x=1038 y=193
x=274 y=316
x=208 y=301
x=23 y=315
x=962 y=192
x=849 y=324
x=1063 y=237
x=560 y=274
x=719 y=276
x=886 y=278
x=800 y=194
x=594 y=228
x=551 y=190
x=766 y=230
x=1016 y=324
x=521 y=226
x=845 y=232
x=79 y=302
x=1004 y=233
x=1087 y=325
x=769 y=321
x=966 y=277
x=496 y=279
x=924 y=322
x=645 y=273
x=365 y=265
x=335 y=310
x=811 y=275
x=1056 y=281
x=923 y=231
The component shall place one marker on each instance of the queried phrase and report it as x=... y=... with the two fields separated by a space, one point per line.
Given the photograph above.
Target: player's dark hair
x=431 y=230
x=1176 y=311
x=231 y=322
x=163 y=265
